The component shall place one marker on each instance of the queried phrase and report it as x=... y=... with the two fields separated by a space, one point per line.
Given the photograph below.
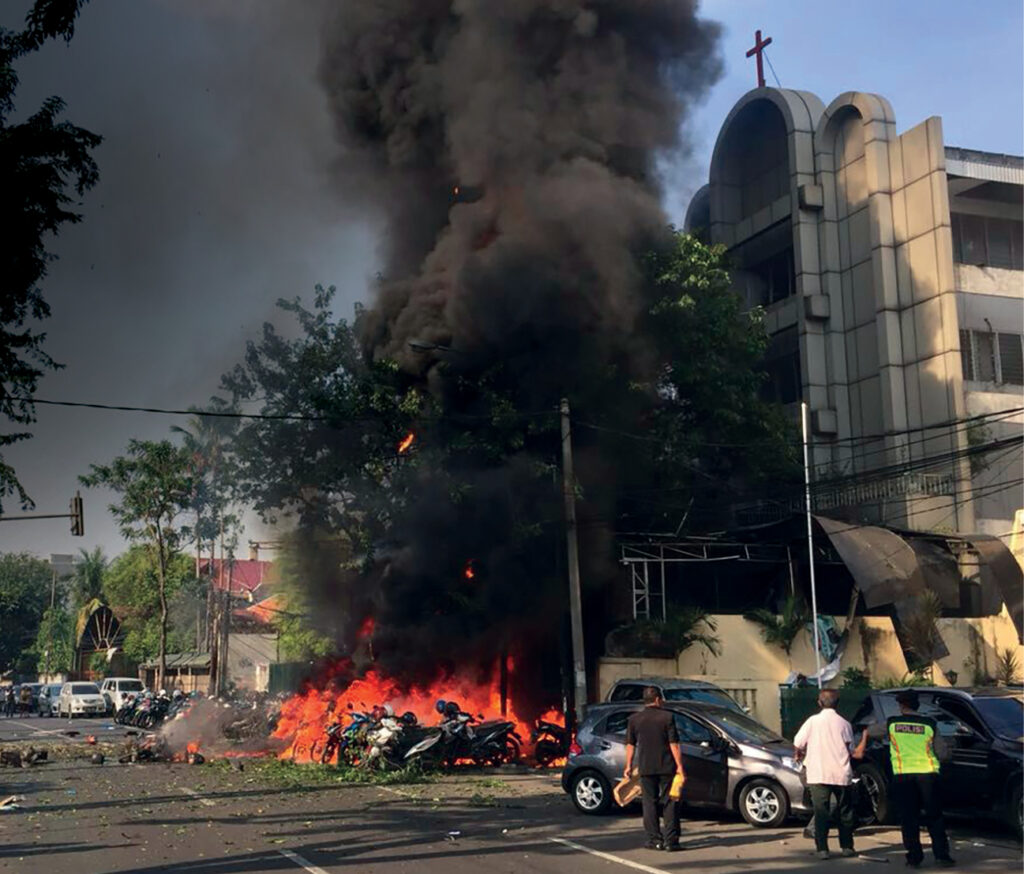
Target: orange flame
x=470 y=572
x=406 y=443
x=305 y=716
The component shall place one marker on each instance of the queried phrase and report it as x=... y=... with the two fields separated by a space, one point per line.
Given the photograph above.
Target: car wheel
x=591 y=793
x=764 y=803
x=873 y=799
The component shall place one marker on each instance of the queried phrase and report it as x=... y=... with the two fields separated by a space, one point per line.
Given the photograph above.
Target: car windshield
x=130 y=686
x=1005 y=716
x=742 y=728
x=84 y=689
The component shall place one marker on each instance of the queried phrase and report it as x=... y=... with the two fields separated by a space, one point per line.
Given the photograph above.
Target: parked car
x=49 y=697
x=732 y=762
x=116 y=689
x=981 y=749
x=81 y=699
x=672 y=689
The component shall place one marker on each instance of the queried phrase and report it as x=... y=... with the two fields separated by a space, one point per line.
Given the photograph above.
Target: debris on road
x=11 y=803
x=10 y=758
x=97 y=758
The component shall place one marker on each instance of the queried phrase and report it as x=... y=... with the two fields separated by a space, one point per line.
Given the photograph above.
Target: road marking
x=301 y=862
x=609 y=857
x=197 y=796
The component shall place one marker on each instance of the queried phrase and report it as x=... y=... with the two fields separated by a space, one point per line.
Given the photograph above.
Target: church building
x=890 y=267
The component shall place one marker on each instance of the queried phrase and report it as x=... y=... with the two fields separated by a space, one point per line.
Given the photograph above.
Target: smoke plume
x=510 y=150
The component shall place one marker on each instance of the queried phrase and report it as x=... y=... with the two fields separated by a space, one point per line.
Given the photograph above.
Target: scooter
x=551 y=742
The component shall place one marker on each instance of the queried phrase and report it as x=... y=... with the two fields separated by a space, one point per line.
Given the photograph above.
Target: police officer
x=915 y=769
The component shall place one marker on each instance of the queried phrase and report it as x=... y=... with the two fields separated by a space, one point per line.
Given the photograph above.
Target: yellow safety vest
x=911 y=745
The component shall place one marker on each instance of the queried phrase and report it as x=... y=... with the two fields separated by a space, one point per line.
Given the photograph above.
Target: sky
x=215 y=196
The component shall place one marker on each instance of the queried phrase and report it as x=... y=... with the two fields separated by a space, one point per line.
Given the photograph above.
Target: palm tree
x=920 y=634
x=781 y=630
x=88 y=577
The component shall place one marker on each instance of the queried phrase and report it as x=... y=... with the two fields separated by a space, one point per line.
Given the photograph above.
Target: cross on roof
x=758 y=49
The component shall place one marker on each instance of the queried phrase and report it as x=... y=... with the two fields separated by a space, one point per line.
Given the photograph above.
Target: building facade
x=890 y=270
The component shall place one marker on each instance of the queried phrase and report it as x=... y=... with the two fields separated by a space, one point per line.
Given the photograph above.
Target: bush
x=652 y=638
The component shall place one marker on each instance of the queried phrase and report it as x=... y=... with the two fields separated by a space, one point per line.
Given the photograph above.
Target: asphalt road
x=41 y=730
x=149 y=818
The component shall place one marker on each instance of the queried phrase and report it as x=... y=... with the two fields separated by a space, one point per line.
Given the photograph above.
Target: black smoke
x=511 y=149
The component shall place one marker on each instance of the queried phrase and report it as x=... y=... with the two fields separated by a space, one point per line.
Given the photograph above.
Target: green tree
x=155 y=484
x=24 y=595
x=783 y=629
x=42 y=159
x=55 y=642
x=131 y=587
x=87 y=581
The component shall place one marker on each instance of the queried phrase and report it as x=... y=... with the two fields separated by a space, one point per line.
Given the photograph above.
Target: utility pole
x=575 y=603
x=810 y=536
x=225 y=629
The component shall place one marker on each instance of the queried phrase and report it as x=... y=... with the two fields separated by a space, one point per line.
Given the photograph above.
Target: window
x=778 y=277
x=628 y=692
x=990 y=242
x=691 y=731
x=782 y=364
x=616 y=723
x=1011 y=359
x=958 y=711
x=986 y=356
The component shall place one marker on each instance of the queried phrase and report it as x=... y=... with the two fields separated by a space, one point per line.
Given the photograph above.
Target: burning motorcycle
x=551 y=742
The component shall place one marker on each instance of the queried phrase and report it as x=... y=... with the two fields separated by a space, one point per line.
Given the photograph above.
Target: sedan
x=81 y=699
x=731 y=761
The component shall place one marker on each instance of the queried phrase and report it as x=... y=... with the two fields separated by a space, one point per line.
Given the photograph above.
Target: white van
x=116 y=689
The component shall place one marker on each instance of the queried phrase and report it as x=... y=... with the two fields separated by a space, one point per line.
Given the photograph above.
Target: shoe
x=849 y=852
x=654 y=845
x=945 y=863
x=823 y=854
x=672 y=848
x=910 y=864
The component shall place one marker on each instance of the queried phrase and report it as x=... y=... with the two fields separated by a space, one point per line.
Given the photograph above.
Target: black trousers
x=911 y=793
x=657 y=805
x=821 y=796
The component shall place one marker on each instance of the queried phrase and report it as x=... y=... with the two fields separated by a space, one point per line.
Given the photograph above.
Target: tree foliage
x=782 y=629
x=42 y=161
x=54 y=647
x=132 y=589
x=155 y=483
x=24 y=596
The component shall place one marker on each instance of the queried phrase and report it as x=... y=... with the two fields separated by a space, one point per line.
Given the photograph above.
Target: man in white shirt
x=825 y=744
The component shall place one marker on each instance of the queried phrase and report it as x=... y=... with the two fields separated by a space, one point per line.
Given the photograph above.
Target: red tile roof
x=244 y=575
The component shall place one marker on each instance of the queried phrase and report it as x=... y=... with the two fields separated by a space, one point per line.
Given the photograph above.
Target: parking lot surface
x=78 y=817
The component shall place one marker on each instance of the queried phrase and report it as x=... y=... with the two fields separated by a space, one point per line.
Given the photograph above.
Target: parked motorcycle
x=550 y=742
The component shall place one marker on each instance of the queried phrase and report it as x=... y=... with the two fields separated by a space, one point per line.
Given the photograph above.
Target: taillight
x=575 y=749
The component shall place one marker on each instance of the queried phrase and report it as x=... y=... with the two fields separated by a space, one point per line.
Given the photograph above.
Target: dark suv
x=980 y=749
x=673 y=689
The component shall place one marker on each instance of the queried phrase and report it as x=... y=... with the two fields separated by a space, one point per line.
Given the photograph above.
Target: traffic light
x=77 y=516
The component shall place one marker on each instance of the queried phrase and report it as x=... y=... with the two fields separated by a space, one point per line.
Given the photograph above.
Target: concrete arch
x=783 y=119
x=874 y=111
x=698 y=213
x=800 y=111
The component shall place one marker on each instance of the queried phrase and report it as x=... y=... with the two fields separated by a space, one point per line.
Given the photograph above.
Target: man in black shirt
x=651 y=734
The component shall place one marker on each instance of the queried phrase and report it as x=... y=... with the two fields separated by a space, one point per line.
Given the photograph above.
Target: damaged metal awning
x=1001 y=572
x=893 y=569
x=882 y=563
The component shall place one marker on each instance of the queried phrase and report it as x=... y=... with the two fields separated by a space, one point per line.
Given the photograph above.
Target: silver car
x=732 y=762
